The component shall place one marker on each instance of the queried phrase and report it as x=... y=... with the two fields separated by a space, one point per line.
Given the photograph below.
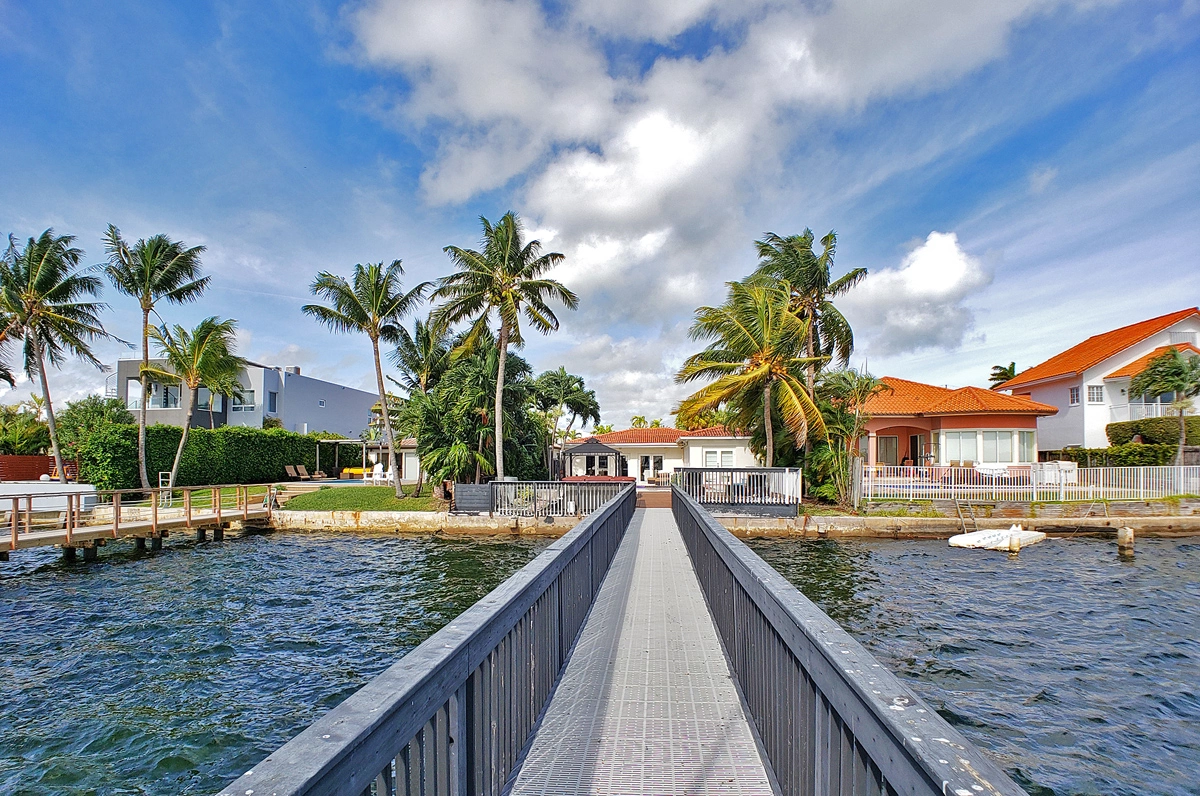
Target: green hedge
x=1154 y=430
x=1132 y=455
x=226 y=455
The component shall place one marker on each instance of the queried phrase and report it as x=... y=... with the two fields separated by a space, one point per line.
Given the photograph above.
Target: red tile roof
x=1138 y=365
x=908 y=398
x=1096 y=349
x=656 y=436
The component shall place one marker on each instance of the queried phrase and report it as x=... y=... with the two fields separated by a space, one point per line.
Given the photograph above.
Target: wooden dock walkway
x=646 y=703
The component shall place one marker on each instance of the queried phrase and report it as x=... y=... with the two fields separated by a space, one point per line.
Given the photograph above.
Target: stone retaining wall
x=419 y=522
x=1184 y=507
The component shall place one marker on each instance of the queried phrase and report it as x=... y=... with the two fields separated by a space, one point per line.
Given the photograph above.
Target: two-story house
x=1089 y=382
x=301 y=403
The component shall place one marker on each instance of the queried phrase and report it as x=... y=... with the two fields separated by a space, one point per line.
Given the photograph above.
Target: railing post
x=15 y=520
x=187 y=508
x=29 y=514
x=245 y=496
x=154 y=513
x=216 y=496
x=116 y=513
x=70 y=511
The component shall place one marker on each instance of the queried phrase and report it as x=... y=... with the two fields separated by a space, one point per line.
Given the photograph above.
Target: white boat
x=1012 y=539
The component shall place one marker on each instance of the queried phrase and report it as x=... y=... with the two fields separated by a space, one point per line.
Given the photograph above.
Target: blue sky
x=1016 y=175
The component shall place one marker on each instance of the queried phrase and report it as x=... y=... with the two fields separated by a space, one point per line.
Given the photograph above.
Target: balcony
x=1125 y=412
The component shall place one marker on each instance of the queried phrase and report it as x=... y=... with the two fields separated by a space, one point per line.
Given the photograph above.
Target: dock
x=647 y=651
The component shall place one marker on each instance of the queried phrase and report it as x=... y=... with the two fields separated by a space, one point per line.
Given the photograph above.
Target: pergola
x=378 y=449
x=604 y=460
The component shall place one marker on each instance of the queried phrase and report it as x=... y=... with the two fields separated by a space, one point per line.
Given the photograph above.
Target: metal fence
x=763 y=486
x=831 y=718
x=1045 y=482
x=453 y=715
x=551 y=498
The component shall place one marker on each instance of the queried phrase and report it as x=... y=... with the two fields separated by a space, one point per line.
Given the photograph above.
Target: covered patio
x=593 y=460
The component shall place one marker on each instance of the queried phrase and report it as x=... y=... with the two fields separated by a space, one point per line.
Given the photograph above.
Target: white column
x=941 y=457
x=978 y=446
x=872 y=449
x=1016 y=446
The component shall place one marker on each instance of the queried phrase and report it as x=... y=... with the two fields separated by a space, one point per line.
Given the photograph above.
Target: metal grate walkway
x=646 y=704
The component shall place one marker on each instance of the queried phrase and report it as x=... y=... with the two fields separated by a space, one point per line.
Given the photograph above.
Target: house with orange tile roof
x=1089 y=382
x=644 y=453
x=922 y=424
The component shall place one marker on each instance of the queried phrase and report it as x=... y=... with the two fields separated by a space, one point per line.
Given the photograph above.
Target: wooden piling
x=156 y=543
x=90 y=553
x=68 y=553
x=1125 y=541
x=140 y=543
x=201 y=535
x=219 y=533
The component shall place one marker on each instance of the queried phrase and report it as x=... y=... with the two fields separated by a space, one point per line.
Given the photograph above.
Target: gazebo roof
x=591 y=447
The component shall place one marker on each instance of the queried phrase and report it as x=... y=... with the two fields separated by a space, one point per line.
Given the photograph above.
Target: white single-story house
x=1089 y=382
x=644 y=453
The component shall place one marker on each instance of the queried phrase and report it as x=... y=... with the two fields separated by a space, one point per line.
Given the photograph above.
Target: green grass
x=362 y=498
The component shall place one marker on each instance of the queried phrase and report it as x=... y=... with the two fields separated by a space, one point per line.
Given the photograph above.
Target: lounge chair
x=291 y=472
x=374 y=475
x=304 y=476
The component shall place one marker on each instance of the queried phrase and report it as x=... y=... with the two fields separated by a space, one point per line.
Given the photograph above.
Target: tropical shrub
x=22 y=432
x=1129 y=455
x=1154 y=430
x=84 y=417
x=108 y=458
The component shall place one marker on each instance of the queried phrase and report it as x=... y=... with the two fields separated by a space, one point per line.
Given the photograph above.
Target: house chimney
x=292 y=369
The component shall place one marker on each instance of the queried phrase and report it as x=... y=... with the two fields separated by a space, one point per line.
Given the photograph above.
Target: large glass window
x=133 y=394
x=1028 y=443
x=888 y=450
x=961 y=447
x=272 y=402
x=245 y=403
x=718 y=458
x=658 y=464
x=1095 y=394
x=997 y=446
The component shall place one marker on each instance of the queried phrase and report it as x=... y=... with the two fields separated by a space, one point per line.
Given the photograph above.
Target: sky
x=1015 y=175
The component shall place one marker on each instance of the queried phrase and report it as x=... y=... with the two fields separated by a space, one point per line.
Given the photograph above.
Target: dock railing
x=831 y=718
x=453 y=716
x=551 y=498
x=1027 y=483
x=740 y=486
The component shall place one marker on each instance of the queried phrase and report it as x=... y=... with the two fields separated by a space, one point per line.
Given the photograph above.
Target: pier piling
x=1125 y=541
x=90 y=553
x=68 y=553
x=156 y=543
x=201 y=534
x=140 y=543
x=219 y=533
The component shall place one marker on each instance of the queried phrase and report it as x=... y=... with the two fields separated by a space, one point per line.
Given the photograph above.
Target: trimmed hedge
x=1154 y=430
x=1131 y=455
x=227 y=455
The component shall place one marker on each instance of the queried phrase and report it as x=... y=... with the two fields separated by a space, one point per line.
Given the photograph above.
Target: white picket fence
x=1044 y=482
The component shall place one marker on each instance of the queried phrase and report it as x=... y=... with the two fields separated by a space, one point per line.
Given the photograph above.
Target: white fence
x=741 y=486
x=1045 y=482
x=1123 y=412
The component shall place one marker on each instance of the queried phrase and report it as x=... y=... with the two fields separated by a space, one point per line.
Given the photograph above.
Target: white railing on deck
x=768 y=486
x=1123 y=412
x=1043 y=482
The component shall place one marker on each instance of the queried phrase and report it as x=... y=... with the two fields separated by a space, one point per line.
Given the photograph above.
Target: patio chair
x=291 y=471
x=374 y=475
x=304 y=476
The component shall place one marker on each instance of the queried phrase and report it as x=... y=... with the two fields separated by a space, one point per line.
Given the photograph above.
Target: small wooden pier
x=89 y=520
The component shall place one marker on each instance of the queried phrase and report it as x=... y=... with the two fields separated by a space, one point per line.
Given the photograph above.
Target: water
x=176 y=672
x=1077 y=671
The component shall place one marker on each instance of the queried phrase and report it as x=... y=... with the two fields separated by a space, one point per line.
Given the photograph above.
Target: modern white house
x=644 y=453
x=1089 y=382
x=301 y=403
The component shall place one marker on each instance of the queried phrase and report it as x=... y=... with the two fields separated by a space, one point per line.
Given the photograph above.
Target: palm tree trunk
x=1182 y=436
x=58 y=459
x=478 y=457
x=810 y=370
x=770 y=457
x=145 y=399
x=502 y=343
x=387 y=417
x=187 y=425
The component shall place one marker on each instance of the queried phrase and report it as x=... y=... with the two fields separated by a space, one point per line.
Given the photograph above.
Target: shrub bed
x=1131 y=455
x=1154 y=430
x=227 y=455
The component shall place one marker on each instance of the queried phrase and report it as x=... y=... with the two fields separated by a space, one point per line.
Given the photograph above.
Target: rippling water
x=175 y=672
x=1077 y=670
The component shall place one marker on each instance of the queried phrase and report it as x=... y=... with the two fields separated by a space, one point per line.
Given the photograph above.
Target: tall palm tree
x=194 y=358
x=422 y=356
x=757 y=348
x=1002 y=373
x=371 y=303
x=1172 y=372
x=792 y=260
x=507 y=277
x=560 y=394
x=152 y=270
x=43 y=301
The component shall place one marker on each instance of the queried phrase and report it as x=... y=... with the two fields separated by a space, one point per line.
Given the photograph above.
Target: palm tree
x=1173 y=372
x=223 y=380
x=194 y=358
x=638 y=421
x=423 y=356
x=507 y=277
x=558 y=393
x=42 y=300
x=1002 y=373
x=757 y=347
x=792 y=260
x=372 y=303
x=152 y=270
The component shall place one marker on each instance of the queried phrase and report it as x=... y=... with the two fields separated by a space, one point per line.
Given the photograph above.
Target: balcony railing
x=1125 y=412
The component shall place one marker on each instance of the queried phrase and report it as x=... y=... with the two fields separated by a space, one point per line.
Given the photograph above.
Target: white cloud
x=1041 y=178
x=919 y=304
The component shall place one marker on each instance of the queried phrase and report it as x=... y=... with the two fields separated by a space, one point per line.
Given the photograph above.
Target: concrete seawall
x=807 y=527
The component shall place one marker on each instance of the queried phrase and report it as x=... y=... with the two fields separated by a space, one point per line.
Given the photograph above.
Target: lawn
x=363 y=498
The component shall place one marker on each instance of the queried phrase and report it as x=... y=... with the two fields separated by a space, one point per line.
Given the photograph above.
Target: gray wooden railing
x=453 y=716
x=831 y=718
x=740 y=486
x=551 y=498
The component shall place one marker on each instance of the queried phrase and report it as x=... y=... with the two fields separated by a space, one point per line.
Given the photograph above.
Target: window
x=658 y=464
x=888 y=450
x=164 y=396
x=997 y=446
x=272 y=402
x=1074 y=393
x=961 y=447
x=244 y=403
x=1095 y=394
x=321 y=403
x=204 y=397
x=133 y=394
x=718 y=458
x=1028 y=443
